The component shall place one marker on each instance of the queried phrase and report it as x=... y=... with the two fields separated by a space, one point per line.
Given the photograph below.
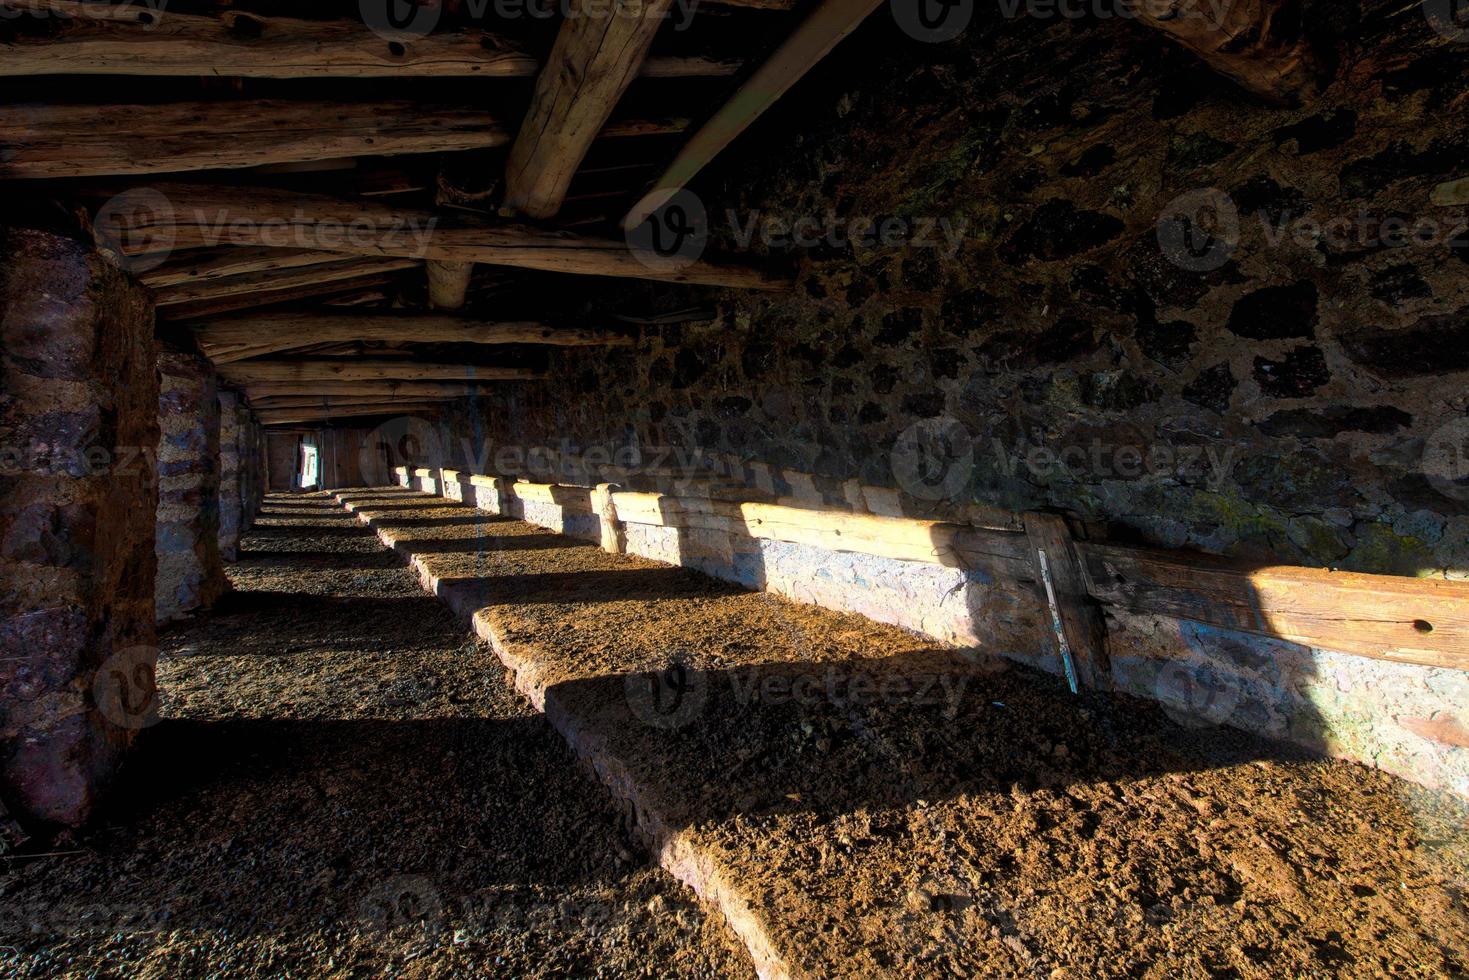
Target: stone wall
x=190 y=572
x=1293 y=389
x=231 y=503
x=79 y=428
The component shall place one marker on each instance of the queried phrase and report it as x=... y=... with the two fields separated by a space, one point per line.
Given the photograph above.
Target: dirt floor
x=890 y=808
x=344 y=785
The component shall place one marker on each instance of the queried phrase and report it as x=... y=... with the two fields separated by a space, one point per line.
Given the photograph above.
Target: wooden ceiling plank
x=260 y=334
x=596 y=56
x=139 y=40
x=357 y=369
x=810 y=42
x=199 y=215
x=252 y=282
x=58 y=141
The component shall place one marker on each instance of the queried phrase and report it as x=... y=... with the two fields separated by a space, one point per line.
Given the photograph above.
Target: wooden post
x=614 y=535
x=1077 y=621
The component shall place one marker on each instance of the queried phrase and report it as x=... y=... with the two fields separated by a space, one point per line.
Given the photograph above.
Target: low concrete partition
x=1371 y=668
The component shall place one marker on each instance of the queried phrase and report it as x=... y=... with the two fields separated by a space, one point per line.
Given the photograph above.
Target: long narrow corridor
x=342 y=784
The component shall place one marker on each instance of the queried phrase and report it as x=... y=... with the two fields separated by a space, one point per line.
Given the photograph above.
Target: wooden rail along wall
x=1383 y=617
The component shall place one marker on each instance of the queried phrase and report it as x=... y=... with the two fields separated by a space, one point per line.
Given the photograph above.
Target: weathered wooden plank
x=51 y=141
x=1386 y=617
x=821 y=31
x=1261 y=44
x=341 y=401
x=297 y=328
x=294 y=415
x=597 y=54
x=319 y=387
x=265 y=333
x=221 y=263
x=358 y=369
x=201 y=215
x=1078 y=626
x=142 y=41
x=254 y=282
x=320 y=292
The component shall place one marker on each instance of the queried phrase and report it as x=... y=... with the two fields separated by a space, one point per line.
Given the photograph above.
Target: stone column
x=230 y=508
x=78 y=431
x=190 y=573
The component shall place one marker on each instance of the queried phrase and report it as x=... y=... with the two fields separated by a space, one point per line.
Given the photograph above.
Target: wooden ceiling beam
x=348 y=401
x=273 y=279
x=54 y=141
x=253 y=336
x=596 y=56
x=295 y=415
x=199 y=215
x=356 y=369
x=394 y=389
x=810 y=42
x=321 y=292
x=222 y=263
x=139 y=40
x=1260 y=44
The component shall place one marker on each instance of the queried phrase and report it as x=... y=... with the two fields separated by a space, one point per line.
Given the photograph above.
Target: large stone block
x=79 y=429
x=190 y=572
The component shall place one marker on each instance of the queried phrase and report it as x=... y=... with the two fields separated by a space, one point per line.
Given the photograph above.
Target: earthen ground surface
x=1011 y=830
x=344 y=785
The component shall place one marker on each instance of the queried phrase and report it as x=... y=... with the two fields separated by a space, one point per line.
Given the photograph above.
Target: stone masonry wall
x=78 y=429
x=190 y=573
x=1293 y=388
x=231 y=509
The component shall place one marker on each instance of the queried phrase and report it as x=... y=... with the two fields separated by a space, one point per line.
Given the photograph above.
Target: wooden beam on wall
x=51 y=141
x=140 y=40
x=597 y=54
x=821 y=31
x=200 y=215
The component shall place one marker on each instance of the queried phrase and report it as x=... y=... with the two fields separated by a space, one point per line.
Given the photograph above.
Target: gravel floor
x=344 y=785
x=889 y=808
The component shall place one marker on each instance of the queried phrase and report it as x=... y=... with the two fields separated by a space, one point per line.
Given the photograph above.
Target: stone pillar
x=190 y=573
x=251 y=472
x=78 y=430
x=230 y=507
